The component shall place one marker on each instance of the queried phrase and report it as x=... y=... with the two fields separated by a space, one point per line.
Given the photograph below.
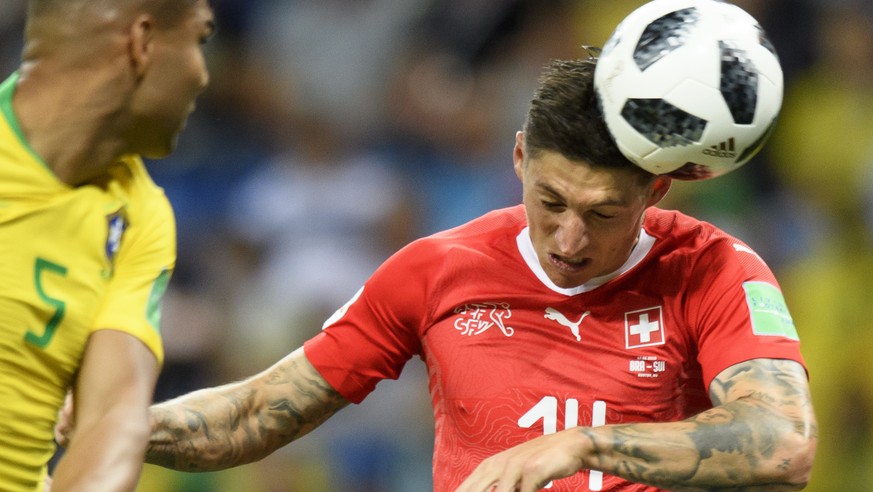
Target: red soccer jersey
x=511 y=356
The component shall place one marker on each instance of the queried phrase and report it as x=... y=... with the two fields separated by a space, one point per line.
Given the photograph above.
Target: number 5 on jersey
x=39 y=269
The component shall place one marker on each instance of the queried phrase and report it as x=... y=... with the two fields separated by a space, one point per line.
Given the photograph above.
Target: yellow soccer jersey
x=72 y=260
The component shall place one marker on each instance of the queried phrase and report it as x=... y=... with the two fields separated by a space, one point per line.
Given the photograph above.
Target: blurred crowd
x=335 y=131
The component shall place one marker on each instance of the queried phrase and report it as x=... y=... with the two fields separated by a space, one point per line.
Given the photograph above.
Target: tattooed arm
x=761 y=434
x=234 y=424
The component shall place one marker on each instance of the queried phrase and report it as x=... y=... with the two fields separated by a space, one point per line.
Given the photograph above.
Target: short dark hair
x=170 y=12
x=167 y=12
x=565 y=117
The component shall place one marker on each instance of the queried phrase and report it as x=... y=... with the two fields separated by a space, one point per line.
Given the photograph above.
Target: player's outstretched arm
x=234 y=424
x=113 y=391
x=761 y=435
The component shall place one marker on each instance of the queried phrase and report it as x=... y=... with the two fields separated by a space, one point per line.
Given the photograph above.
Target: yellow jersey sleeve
x=144 y=260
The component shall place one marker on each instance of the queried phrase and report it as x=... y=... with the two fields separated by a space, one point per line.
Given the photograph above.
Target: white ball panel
x=689 y=77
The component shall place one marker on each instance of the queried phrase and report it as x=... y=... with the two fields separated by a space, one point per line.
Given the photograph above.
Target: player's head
x=148 y=53
x=584 y=200
x=564 y=117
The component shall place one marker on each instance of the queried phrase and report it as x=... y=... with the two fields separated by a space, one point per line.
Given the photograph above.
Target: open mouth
x=569 y=265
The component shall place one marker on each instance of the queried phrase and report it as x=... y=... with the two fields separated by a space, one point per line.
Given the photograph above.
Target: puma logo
x=554 y=314
x=744 y=249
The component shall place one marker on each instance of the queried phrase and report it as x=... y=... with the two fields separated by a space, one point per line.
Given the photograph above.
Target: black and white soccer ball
x=689 y=88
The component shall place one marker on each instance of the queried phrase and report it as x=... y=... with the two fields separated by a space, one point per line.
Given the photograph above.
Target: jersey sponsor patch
x=644 y=328
x=768 y=311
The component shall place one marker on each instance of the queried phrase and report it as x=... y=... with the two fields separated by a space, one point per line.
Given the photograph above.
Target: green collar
x=7 y=89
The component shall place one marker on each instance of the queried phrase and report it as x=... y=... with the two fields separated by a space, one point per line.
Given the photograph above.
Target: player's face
x=175 y=75
x=584 y=221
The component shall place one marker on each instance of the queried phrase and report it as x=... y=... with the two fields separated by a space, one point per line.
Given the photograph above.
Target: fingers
x=485 y=478
x=494 y=476
x=529 y=466
x=508 y=472
x=64 y=426
x=500 y=485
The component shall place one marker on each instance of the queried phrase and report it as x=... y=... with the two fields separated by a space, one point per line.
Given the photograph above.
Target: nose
x=571 y=237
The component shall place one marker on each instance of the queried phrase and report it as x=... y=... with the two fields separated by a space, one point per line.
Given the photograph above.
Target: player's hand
x=65 y=424
x=530 y=466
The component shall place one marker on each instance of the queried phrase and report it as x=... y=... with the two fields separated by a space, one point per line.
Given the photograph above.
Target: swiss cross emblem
x=644 y=328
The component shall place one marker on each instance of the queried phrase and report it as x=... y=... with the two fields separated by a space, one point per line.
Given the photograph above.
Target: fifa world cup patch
x=768 y=311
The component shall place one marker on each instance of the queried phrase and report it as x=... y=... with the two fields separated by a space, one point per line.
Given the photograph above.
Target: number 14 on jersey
x=547 y=410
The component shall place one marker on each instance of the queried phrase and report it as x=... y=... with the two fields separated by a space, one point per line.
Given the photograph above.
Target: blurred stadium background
x=334 y=131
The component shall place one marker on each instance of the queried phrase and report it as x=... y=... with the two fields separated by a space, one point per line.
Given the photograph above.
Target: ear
x=141 y=47
x=518 y=155
x=660 y=187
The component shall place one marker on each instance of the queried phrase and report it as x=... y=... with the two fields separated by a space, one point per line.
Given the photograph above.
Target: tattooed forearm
x=760 y=435
x=230 y=425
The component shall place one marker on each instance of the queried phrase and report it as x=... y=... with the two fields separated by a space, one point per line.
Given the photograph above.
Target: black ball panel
x=739 y=83
x=664 y=35
x=662 y=123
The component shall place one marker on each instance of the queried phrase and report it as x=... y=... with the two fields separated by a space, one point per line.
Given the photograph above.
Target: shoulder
x=677 y=227
x=496 y=223
x=680 y=231
x=446 y=268
x=145 y=198
x=696 y=243
x=483 y=242
x=149 y=217
x=131 y=173
x=492 y=230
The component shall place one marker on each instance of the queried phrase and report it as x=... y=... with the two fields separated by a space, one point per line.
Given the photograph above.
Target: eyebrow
x=549 y=189
x=605 y=203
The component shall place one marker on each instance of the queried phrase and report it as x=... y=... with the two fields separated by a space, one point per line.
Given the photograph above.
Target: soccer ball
x=689 y=88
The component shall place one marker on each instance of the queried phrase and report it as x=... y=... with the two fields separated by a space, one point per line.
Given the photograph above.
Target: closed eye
x=552 y=206
x=603 y=215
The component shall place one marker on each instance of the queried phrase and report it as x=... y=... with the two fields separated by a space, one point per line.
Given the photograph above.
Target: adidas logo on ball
x=724 y=149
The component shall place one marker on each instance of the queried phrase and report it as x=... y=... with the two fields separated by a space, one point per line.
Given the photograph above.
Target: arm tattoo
x=238 y=423
x=747 y=441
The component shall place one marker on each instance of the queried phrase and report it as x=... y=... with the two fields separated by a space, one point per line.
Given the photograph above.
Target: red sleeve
x=738 y=310
x=373 y=336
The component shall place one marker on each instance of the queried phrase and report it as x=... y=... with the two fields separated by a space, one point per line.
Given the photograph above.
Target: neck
x=73 y=125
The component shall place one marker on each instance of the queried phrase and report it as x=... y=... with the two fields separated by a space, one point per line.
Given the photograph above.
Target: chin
x=159 y=151
x=566 y=282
